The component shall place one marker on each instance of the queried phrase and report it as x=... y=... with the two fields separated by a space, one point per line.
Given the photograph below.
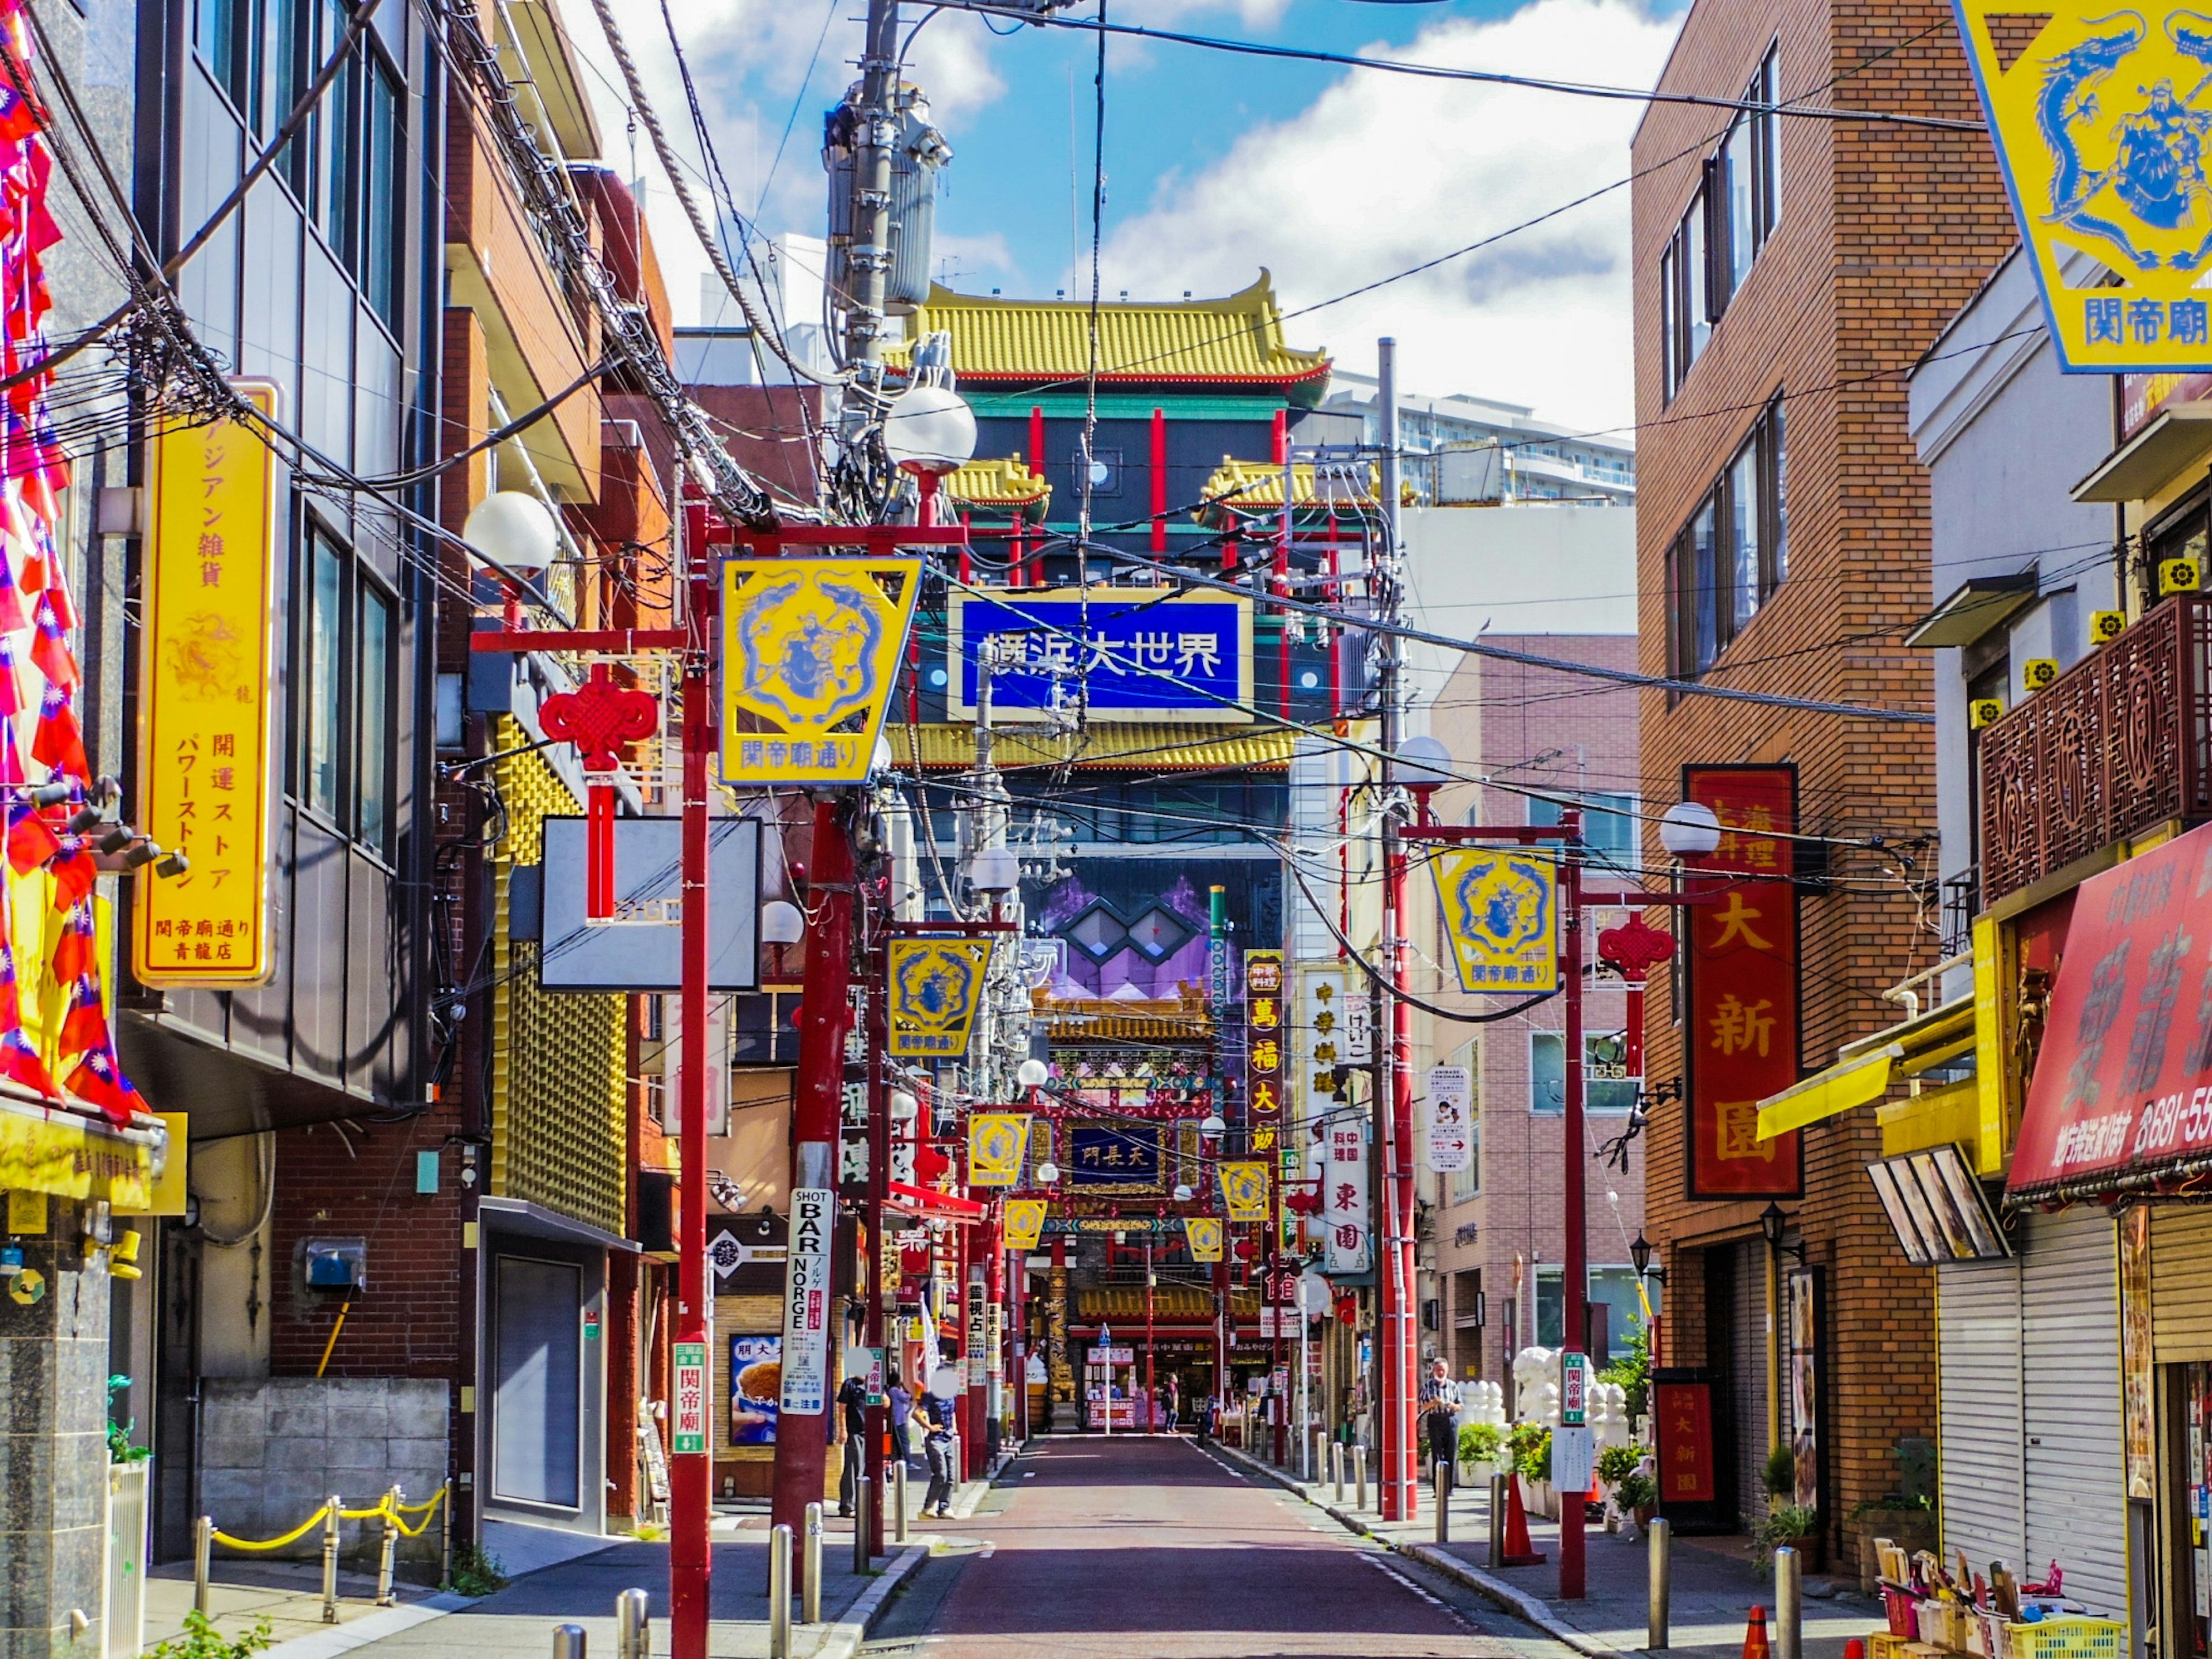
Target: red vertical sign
x=1683 y=1414
x=1740 y=1028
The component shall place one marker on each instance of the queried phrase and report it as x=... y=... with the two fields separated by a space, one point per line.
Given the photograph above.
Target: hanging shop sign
x=2092 y=110
x=810 y=649
x=756 y=1387
x=2122 y=1093
x=805 y=1381
x=1321 y=1039
x=936 y=986
x=994 y=1148
x=1683 y=1414
x=1263 y=1026
x=1138 y=654
x=1343 y=1197
x=206 y=686
x=1203 y=1234
x=1450 y=1141
x=1740 y=990
x=1124 y=1156
x=1023 y=1224
x=1244 y=1190
x=1501 y=911
x=977 y=1372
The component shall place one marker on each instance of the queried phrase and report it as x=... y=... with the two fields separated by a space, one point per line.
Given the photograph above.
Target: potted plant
x=1530 y=1444
x=1617 y=1465
x=1794 y=1525
x=1638 y=1494
x=1480 y=1445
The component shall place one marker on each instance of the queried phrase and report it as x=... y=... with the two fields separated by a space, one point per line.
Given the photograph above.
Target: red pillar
x=1036 y=465
x=1159 y=481
x=1576 y=1266
x=879 y=1163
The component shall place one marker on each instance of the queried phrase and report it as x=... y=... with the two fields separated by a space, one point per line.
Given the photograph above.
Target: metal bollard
x=810 y=1569
x=1443 y=1502
x=203 y=1552
x=633 y=1624
x=779 y=1593
x=1359 y=1475
x=569 y=1642
x=387 y=1548
x=1789 y=1604
x=1662 y=1580
x=1497 y=1501
x=861 y=1495
x=898 y=1501
x=1336 y=1466
x=331 y=1559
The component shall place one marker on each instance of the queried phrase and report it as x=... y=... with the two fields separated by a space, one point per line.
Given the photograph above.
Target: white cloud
x=1383 y=172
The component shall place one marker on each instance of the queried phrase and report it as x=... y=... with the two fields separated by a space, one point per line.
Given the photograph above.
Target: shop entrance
x=2189 y=1482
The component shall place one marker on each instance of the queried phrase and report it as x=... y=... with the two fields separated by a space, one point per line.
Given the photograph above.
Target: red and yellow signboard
x=206 y=691
x=1683 y=1414
x=1741 y=1024
x=1263 y=1024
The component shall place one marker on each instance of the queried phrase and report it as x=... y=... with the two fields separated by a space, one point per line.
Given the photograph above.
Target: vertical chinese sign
x=1740 y=1004
x=1263 y=1062
x=1345 y=1213
x=1682 y=1413
x=806 y=1389
x=206 y=691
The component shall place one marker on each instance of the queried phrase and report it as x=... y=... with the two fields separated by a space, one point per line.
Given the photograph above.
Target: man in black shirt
x=853 y=1403
x=937 y=1448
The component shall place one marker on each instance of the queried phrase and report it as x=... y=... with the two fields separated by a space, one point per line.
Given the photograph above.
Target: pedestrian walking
x=902 y=1403
x=1175 y=1404
x=852 y=1408
x=937 y=1448
x=1440 y=1414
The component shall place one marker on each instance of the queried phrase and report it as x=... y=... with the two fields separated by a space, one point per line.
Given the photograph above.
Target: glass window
x=1608 y=821
x=1765 y=150
x=380 y=208
x=1744 y=580
x=1696 y=273
x=1607 y=1090
x=320 y=679
x=372 y=786
x=335 y=176
x=1738 y=166
x=1612 y=1287
x=1776 y=455
x=1706 y=583
x=1547 y=1073
x=1734 y=553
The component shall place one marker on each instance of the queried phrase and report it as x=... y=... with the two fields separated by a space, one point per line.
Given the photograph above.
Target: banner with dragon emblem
x=1203 y=1234
x=1245 y=1191
x=1023 y=1225
x=1501 y=914
x=995 y=1140
x=936 y=986
x=810 y=648
x=2097 y=114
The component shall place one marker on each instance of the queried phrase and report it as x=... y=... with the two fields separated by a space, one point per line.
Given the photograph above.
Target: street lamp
x=1424 y=767
x=1032 y=1073
x=1690 y=830
x=1047 y=1173
x=1639 y=1253
x=995 y=871
x=1212 y=1127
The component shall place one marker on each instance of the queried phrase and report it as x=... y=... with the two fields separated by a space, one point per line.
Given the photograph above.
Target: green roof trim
x=1121 y=406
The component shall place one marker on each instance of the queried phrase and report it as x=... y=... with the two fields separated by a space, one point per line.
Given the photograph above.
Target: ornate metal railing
x=2119 y=743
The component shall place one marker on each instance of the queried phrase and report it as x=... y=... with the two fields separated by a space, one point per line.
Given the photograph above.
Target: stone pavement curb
x=372 y=1627
x=843 y=1639
x=1518 y=1602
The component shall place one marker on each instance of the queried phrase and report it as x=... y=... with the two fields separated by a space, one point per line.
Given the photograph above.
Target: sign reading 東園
x=1141 y=656
x=809 y=650
x=1343 y=1198
x=1502 y=916
x=205 y=684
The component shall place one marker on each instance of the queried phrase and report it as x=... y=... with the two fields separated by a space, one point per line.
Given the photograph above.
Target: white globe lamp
x=929 y=430
x=513 y=531
x=1032 y=1073
x=781 y=923
x=1690 y=830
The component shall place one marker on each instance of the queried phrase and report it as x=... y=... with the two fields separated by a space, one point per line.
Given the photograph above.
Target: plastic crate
x=2067 y=1636
x=1886 y=1644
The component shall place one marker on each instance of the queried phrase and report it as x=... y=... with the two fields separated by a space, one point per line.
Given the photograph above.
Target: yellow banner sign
x=1203 y=1234
x=1501 y=912
x=1244 y=1189
x=810 y=651
x=205 y=682
x=1024 y=1224
x=994 y=1148
x=2094 y=110
x=64 y=1155
x=936 y=986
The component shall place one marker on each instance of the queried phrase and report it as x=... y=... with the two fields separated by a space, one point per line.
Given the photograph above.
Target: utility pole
x=868 y=260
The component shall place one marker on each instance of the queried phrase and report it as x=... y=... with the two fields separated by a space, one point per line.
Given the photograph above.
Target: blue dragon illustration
x=2068 y=95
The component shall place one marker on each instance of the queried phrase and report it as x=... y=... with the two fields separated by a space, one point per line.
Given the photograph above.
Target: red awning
x=923 y=1203
x=2121 y=1096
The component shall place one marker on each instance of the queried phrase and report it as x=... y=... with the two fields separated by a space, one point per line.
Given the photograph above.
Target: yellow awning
x=48 y=1149
x=1842 y=1086
x=1938 y=1118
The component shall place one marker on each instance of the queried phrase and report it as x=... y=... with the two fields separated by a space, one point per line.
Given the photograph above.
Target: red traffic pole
x=1572 y=1586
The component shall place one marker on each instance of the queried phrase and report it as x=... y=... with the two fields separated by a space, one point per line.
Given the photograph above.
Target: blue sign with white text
x=1130 y=653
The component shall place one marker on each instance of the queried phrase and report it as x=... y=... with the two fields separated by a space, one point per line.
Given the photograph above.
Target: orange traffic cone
x=1518 y=1551
x=1754 y=1637
x=1855 y=1649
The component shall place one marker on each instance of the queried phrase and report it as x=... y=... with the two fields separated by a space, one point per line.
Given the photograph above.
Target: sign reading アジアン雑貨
x=206 y=696
x=806 y=1389
x=2123 y=1082
x=1739 y=1025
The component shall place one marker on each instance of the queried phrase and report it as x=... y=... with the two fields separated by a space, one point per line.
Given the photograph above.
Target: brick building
x=1787 y=269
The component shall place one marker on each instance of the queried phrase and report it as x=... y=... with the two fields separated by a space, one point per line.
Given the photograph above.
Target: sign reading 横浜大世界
x=1139 y=654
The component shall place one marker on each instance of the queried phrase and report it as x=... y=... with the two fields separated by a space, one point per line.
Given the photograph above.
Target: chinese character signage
x=1125 y=1157
x=994 y=1148
x=805 y=1380
x=1244 y=1190
x=688 y=1434
x=755 y=1386
x=1683 y=1413
x=809 y=650
x=205 y=687
x=1263 y=1026
x=936 y=985
x=2093 y=110
x=1739 y=1031
x=1023 y=1224
x=1203 y=1234
x=1137 y=653
x=1450 y=1144
x=1501 y=912
x=1320 y=1037
x=2123 y=1079
x=1343 y=1198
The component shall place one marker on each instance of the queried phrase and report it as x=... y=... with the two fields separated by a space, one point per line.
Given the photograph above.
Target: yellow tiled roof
x=1236 y=339
x=1157 y=745
x=1258 y=485
x=1007 y=482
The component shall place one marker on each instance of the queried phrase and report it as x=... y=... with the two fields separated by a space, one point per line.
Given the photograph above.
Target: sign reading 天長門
x=1141 y=654
x=2096 y=113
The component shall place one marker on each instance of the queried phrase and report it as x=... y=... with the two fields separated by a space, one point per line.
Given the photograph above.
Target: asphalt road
x=1141 y=1548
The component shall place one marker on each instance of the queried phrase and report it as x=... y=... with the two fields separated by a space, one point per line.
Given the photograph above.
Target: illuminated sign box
x=1130 y=653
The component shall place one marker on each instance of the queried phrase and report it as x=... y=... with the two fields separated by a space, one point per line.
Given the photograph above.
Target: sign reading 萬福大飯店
x=205 y=689
x=2122 y=1082
x=1142 y=654
x=1740 y=1018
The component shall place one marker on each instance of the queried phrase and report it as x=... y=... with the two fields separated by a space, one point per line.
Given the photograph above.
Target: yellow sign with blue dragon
x=936 y=985
x=810 y=649
x=1501 y=914
x=2100 y=117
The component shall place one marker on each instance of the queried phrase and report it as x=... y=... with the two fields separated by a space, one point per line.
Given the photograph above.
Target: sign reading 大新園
x=1501 y=914
x=1141 y=654
x=2093 y=111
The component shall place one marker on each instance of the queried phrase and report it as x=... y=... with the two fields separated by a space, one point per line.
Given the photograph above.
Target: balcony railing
x=2119 y=743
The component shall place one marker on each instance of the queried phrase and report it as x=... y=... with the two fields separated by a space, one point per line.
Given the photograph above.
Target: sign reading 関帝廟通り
x=1739 y=1016
x=2094 y=110
x=935 y=987
x=1140 y=653
x=1501 y=911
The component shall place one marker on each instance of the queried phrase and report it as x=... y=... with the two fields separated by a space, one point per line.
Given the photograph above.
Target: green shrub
x=1632 y=1371
x=1533 y=1461
x=1480 y=1442
x=1785 y=1523
x=476 y=1572
x=1616 y=1463
x=1780 y=1475
x=202 y=1640
x=1635 y=1492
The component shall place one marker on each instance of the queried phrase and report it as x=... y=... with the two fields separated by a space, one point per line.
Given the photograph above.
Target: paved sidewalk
x=1714 y=1582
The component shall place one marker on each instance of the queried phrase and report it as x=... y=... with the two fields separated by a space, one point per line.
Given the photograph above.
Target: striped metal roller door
x=2181 y=1283
x=1982 y=1479
x=2076 y=1507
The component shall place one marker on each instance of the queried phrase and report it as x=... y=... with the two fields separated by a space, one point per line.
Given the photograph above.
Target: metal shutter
x=536 y=1406
x=2076 y=1505
x=1980 y=1419
x=1748 y=1382
x=2181 y=1283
